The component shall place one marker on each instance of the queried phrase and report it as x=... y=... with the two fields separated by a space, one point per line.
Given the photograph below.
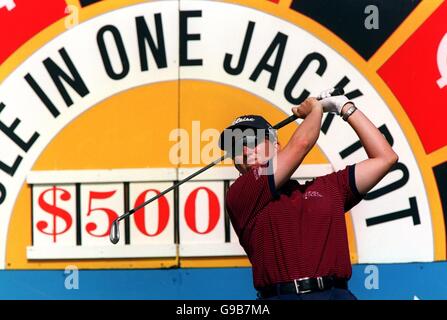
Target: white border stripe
x=101 y=252
x=217 y=249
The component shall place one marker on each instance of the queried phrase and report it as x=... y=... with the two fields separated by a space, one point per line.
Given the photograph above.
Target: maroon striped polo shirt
x=297 y=231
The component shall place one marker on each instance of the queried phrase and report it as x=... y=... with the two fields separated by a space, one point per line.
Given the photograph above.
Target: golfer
x=295 y=234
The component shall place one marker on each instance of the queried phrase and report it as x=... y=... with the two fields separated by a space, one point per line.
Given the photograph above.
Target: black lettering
x=327 y=122
x=42 y=95
x=411 y=212
x=350 y=95
x=11 y=170
x=358 y=145
x=322 y=65
x=144 y=36
x=185 y=37
x=354 y=94
x=85 y=3
x=440 y=172
x=74 y=80
x=105 y=55
x=392 y=186
x=2 y=193
x=9 y=132
x=279 y=42
x=243 y=56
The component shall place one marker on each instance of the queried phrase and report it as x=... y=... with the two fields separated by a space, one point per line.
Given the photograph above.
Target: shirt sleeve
x=249 y=194
x=348 y=188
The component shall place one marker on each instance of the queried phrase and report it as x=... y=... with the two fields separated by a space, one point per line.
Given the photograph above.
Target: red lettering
x=213 y=210
x=111 y=215
x=163 y=214
x=54 y=210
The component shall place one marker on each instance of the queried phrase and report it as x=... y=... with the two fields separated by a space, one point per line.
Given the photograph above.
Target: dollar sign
x=54 y=210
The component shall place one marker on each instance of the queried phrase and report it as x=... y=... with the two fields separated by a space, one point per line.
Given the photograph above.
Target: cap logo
x=243 y=119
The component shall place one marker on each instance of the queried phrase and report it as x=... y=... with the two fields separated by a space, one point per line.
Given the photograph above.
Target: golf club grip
x=335 y=92
x=285 y=122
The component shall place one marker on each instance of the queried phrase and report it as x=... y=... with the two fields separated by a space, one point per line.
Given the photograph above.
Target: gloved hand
x=332 y=103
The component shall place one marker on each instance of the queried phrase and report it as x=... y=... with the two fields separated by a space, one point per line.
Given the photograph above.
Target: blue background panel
x=394 y=281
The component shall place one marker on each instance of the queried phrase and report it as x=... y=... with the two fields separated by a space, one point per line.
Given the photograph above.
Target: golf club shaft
x=172 y=188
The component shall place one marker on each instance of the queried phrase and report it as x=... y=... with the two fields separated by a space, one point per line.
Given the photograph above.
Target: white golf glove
x=332 y=103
